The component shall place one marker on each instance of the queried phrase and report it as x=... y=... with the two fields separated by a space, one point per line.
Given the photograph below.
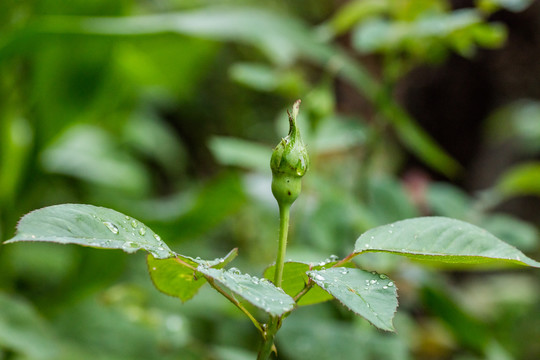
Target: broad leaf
x=259 y=292
x=90 y=225
x=175 y=276
x=441 y=239
x=369 y=295
x=295 y=279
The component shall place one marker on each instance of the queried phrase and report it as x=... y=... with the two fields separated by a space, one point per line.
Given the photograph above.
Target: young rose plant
x=284 y=285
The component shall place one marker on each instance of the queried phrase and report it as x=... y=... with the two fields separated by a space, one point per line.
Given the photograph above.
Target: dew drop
x=344 y=271
x=111 y=227
x=142 y=231
x=235 y=271
x=366 y=246
x=373 y=281
x=154 y=268
x=333 y=258
x=385 y=287
x=129 y=245
x=134 y=223
x=382 y=276
x=157 y=237
x=319 y=277
x=127 y=217
x=390 y=231
x=390 y=284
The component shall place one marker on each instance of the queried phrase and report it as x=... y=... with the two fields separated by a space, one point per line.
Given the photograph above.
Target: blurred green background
x=168 y=110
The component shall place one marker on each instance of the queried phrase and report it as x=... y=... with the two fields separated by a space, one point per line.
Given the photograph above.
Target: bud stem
x=284 y=211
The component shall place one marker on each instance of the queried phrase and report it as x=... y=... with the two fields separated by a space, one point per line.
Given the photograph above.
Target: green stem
x=235 y=303
x=284 y=211
x=268 y=340
x=226 y=295
x=275 y=322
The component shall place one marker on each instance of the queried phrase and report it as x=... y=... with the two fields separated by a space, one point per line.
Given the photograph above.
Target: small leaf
x=92 y=226
x=521 y=179
x=237 y=152
x=442 y=239
x=175 y=278
x=259 y=292
x=295 y=279
x=369 y=295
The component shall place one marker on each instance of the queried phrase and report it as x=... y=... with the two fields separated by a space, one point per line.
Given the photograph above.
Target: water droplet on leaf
x=111 y=227
x=235 y=271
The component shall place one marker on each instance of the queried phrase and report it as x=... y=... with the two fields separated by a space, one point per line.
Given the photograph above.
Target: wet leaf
x=369 y=295
x=259 y=292
x=295 y=279
x=92 y=226
x=441 y=239
x=175 y=276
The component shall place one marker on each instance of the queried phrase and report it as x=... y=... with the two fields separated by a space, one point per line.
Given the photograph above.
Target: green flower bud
x=289 y=163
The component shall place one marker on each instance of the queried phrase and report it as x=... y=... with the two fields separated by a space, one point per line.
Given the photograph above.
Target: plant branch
x=304 y=291
x=227 y=295
x=345 y=259
x=236 y=303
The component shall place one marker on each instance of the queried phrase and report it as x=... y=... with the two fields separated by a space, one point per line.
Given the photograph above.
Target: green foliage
x=441 y=239
x=175 y=276
x=259 y=292
x=90 y=226
x=369 y=295
x=166 y=112
x=295 y=279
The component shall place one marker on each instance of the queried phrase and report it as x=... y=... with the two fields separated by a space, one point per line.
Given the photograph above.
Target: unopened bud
x=289 y=163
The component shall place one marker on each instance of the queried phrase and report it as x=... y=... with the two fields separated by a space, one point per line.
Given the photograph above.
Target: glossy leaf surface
x=175 y=276
x=369 y=295
x=295 y=279
x=259 y=292
x=441 y=239
x=90 y=225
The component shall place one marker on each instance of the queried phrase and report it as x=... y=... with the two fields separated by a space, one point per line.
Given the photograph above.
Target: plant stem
x=226 y=295
x=235 y=303
x=275 y=322
x=284 y=211
x=268 y=340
